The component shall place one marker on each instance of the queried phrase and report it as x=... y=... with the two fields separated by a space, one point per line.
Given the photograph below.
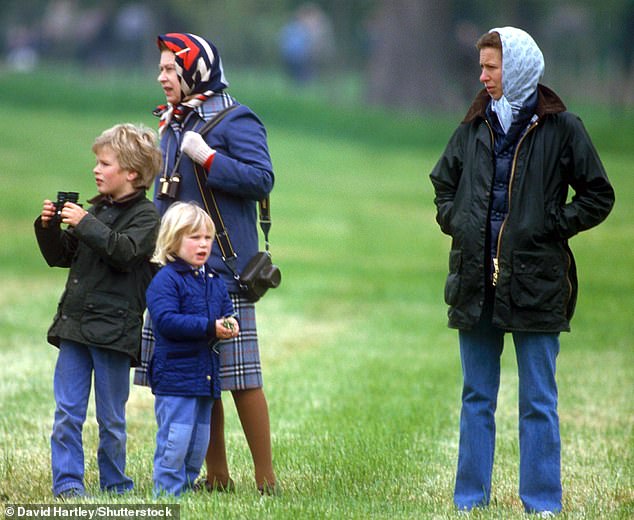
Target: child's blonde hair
x=182 y=218
x=136 y=150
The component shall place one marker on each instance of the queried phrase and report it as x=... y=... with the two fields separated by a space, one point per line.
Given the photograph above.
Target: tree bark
x=412 y=55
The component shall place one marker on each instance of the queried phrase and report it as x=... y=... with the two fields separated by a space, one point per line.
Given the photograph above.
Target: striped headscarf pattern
x=199 y=70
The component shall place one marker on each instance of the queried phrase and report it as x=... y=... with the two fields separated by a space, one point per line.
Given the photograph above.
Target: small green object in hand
x=227 y=324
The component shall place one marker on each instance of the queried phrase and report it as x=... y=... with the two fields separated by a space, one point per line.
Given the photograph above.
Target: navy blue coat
x=184 y=307
x=241 y=174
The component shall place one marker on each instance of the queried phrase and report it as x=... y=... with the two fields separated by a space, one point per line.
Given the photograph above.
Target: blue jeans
x=182 y=439
x=71 y=385
x=540 y=448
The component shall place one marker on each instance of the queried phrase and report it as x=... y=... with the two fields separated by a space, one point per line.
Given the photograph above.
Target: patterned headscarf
x=522 y=68
x=199 y=70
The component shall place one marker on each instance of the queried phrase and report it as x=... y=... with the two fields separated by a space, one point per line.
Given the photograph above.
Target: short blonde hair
x=136 y=150
x=182 y=218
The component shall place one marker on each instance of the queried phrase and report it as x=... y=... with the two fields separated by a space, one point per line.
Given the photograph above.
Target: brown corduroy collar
x=547 y=103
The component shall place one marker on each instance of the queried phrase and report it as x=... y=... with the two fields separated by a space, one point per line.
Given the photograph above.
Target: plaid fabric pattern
x=240 y=367
x=147 y=350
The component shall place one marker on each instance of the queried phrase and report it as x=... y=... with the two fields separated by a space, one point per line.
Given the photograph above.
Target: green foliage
x=362 y=376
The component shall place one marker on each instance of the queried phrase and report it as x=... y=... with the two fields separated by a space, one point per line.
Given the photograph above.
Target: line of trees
x=412 y=53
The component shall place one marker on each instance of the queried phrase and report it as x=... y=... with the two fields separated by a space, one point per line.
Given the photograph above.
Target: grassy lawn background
x=361 y=373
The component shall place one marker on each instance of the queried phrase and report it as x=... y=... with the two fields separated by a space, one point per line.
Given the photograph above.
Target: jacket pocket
x=452 y=285
x=104 y=318
x=536 y=282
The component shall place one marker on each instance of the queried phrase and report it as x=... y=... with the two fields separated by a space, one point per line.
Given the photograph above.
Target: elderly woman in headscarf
x=501 y=191
x=237 y=167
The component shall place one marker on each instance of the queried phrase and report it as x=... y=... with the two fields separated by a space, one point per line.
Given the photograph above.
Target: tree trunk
x=411 y=56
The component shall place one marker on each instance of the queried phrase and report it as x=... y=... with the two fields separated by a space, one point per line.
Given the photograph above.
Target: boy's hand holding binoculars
x=70 y=213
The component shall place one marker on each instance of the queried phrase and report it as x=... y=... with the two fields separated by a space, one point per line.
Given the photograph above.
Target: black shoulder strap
x=222 y=237
x=219 y=116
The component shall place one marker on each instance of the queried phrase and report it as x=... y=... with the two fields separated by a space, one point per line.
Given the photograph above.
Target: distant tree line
x=412 y=53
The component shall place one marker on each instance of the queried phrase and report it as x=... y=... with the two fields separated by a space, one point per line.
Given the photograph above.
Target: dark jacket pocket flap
x=536 y=280
x=104 y=318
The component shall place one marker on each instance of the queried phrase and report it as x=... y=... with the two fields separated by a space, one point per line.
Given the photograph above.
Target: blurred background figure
x=22 y=53
x=134 y=29
x=306 y=43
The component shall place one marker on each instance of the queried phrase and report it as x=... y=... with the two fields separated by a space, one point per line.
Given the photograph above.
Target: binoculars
x=62 y=198
x=168 y=186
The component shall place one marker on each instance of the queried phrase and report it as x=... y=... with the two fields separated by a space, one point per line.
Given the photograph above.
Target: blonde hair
x=136 y=150
x=182 y=218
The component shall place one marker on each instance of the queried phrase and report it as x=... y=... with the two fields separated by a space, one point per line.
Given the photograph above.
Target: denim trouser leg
x=540 y=446
x=112 y=389
x=480 y=351
x=71 y=386
x=181 y=441
x=200 y=440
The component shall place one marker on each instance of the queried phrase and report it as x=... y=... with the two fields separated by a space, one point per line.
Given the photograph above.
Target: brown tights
x=254 y=417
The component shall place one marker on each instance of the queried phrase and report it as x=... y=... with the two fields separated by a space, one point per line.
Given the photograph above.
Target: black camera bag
x=260 y=274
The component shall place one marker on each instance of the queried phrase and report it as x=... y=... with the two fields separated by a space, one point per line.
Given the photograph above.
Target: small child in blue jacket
x=190 y=310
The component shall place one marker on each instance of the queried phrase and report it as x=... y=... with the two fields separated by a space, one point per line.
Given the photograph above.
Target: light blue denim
x=182 y=439
x=74 y=370
x=539 y=440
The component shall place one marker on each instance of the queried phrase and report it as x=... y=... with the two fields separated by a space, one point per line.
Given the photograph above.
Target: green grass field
x=361 y=373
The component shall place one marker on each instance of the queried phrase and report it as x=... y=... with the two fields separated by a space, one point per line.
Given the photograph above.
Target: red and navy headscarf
x=198 y=63
x=199 y=70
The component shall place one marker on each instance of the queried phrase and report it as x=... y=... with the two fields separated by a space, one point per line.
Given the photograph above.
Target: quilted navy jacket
x=184 y=306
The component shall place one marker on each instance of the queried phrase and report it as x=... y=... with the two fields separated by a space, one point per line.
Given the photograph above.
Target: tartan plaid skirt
x=240 y=367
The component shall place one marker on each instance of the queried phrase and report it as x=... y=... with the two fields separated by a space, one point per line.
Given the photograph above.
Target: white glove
x=195 y=146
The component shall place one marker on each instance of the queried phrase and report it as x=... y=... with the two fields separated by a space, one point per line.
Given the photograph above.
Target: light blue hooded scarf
x=522 y=68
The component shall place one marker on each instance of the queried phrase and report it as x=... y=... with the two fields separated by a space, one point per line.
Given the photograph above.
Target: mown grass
x=361 y=373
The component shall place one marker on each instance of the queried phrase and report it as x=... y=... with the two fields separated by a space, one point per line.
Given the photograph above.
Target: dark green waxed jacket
x=108 y=254
x=536 y=286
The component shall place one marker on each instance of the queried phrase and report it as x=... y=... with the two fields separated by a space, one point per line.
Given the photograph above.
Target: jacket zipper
x=496 y=259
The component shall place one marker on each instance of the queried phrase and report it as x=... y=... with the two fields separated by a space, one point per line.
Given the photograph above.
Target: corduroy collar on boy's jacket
x=548 y=102
x=107 y=199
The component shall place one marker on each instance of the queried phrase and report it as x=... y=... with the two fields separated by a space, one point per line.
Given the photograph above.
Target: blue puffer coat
x=184 y=306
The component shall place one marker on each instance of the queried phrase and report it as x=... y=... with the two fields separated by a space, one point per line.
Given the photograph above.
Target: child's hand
x=227 y=328
x=48 y=212
x=72 y=213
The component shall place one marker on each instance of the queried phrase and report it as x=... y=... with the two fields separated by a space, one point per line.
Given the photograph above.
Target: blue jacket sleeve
x=242 y=165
